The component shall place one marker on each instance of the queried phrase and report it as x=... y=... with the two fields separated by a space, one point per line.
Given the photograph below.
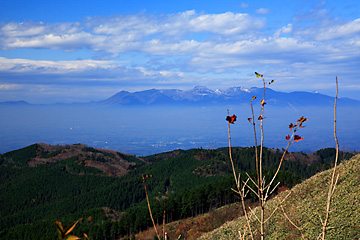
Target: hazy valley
x=194 y=119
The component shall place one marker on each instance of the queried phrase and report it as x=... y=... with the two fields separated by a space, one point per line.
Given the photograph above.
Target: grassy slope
x=306 y=203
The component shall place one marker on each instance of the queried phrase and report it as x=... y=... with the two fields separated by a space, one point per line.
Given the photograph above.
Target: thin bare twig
x=337 y=178
x=236 y=191
x=252 y=211
x=252 y=190
x=292 y=223
x=321 y=220
x=238 y=182
x=245 y=183
x=277 y=207
x=267 y=191
x=257 y=186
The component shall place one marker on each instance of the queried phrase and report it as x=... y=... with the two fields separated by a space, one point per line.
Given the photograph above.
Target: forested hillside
x=41 y=183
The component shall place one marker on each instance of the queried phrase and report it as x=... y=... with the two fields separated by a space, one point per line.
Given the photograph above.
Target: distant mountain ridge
x=14 y=103
x=201 y=95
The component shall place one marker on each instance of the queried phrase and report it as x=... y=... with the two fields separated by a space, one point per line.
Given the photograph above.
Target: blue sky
x=79 y=51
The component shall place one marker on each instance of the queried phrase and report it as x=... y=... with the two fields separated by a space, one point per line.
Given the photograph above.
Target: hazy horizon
x=145 y=130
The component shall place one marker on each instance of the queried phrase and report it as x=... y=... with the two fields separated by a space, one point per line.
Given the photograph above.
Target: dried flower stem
x=262 y=200
x=164 y=220
x=256 y=153
x=238 y=184
x=333 y=180
x=261 y=190
x=148 y=202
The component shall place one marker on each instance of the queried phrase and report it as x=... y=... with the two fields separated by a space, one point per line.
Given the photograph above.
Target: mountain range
x=202 y=95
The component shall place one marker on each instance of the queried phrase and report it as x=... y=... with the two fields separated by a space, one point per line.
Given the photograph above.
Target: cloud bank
x=138 y=51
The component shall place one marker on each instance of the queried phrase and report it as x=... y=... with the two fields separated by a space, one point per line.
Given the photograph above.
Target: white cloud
x=80 y=72
x=349 y=29
x=65 y=41
x=184 y=47
x=23 y=29
x=158 y=73
x=68 y=36
x=262 y=11
x=244 y=5
x=284 y=30
x=226 y=23
x=137 y=27
x=125 y=33
x=134 y=27
x=9 y=86
x=26 y=65
x=353 y=87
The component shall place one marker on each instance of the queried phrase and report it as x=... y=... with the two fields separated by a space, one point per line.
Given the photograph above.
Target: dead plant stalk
x=334 y=179
x=240 y=191
x=263 y=191
x=148 y=202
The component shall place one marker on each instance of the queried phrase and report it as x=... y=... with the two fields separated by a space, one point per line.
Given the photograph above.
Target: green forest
x=189 y=182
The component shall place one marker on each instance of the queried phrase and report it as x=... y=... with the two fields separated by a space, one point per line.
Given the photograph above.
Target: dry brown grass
x=193 y=228
x=114 y=165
